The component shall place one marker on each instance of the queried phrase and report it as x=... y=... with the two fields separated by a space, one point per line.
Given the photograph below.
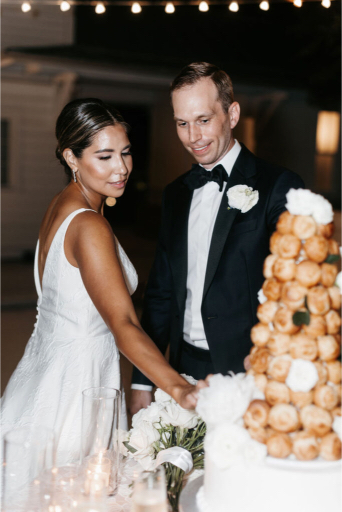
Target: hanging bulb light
x=100 y=8
x=264 y=6
x=203 y=7
x=298 y=3
x=233 y=6
x=25 y=7
x=136 y=8
x=326 y=3
x=65 y=6
x=169 y=8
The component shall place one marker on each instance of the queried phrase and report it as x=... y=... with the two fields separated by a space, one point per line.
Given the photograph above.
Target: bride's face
x=105 y=166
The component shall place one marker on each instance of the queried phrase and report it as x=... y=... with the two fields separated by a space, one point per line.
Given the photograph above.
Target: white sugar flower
x=226 y=444
x=322 y=210
x=304 y=202
x=261 y=296
x=254 y=452
x=242 y=197
x=338 y=281
x=337 y=426
x=303 y=376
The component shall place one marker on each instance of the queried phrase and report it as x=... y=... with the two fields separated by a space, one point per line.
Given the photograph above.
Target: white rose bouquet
x=165 y=433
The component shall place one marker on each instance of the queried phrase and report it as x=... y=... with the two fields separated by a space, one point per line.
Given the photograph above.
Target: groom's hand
x=139 y=400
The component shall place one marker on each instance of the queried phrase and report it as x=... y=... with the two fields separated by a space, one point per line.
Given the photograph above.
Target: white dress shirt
x=203 y=212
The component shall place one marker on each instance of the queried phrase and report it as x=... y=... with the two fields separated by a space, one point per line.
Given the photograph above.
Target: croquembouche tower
x=295 y=357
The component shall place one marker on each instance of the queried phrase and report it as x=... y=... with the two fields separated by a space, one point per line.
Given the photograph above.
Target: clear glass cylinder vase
x=100 y=437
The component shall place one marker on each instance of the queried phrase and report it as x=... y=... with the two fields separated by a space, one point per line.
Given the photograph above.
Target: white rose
x=190 y=379
x=161 y=397
x=152 y=413
x=226 y=444
x=303 y=376
x=174 y=414
x=322 y=210
x=261 y=296
x=337 y=426
x=121 y=436
x=226 y=399
x=254 y=452
x=143 y=437
x=338 y=281
x=242 y=197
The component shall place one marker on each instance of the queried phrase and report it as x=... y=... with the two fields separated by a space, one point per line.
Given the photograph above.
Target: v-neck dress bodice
x=71 y=349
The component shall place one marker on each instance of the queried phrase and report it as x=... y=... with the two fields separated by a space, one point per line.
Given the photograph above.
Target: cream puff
x=257 y=414
x=334 y=371
x=293 y=295
x=260 y=334
x=304 y=226
x=289 y=246
x=284 y=418
x=336 y=412
x=333 y=247
x=308 y=273
x=317 y=326
x=284 y=269
x=322 y=372
x=284 y=224
x=274 y=242
x=279 y=367
x=258 y=434
x=272 y=289
x=328 y=274
x=303 y=347
x=279 y=445
x=316 y=248
x=318 y=300
x=326 y=230
x=266 y=311
x=315 y=420
x=300 y=398
x=260 y=380
x=277 y=393
x=335 y=297
x=260 y=360
x=268 y=265
x=330 y=447
x=278 y=343
x=333 y=321
x=328 y=348
x=305 y=446
x=283 y=321
x=326 y=397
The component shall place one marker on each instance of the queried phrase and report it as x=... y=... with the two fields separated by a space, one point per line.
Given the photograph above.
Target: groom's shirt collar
x=229 y=158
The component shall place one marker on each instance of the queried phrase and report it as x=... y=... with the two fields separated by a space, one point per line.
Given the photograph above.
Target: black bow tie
x=198 y=176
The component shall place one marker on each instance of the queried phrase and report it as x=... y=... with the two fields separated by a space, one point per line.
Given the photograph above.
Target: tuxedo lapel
x=179 y=243
x=243 y=171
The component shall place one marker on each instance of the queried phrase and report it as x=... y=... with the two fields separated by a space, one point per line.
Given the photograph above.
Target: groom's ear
x=234 y=114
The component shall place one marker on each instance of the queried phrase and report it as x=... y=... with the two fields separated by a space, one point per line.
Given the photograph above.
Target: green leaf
x=332 y=258
x=129 y=447
x=301 y=317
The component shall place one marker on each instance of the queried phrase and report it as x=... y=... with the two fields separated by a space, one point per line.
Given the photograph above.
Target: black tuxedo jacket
x=239 y=245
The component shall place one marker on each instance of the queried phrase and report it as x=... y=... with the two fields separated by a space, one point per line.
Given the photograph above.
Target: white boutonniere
x=242 y=197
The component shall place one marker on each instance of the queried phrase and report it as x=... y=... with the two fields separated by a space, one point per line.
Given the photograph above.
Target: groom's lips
x=200 y=150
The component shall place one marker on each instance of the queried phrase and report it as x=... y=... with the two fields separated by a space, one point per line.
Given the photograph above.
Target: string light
x=326 y=3
x=233 y=6
x=203 y=7
x=169 y=8
x=298 y=3
x=65 y=6
x=25 y=7
x=100 y=8
x=264 y=6
x=136 y=8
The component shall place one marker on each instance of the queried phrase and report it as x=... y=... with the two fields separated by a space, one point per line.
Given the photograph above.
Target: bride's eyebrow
x=104 y=150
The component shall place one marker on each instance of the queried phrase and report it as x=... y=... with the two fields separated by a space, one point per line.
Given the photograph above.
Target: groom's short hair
x=198 y=70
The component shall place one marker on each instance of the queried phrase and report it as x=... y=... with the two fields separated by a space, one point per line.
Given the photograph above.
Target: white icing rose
x=242 y=197
x=338 y=281
x=337 y=426
x=261 y=296
x=226 y=399
x=303 y=376
x=304 y=202
x=174 y=414
x=254 y=452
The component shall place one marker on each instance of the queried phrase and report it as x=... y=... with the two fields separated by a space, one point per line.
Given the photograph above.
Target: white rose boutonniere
x=242 y=197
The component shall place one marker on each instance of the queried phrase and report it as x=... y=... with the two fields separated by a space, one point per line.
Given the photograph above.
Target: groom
x=201 y=297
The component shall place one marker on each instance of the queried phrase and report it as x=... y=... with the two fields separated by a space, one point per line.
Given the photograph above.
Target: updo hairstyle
x=78 y=124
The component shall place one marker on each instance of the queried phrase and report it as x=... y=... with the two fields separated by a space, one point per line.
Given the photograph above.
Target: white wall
x=42 y=26
x=35 y=174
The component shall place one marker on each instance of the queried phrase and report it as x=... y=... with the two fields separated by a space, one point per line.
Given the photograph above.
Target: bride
x=84 y=281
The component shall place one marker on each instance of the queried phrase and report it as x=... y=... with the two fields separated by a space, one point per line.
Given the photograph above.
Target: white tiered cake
x=274 y=435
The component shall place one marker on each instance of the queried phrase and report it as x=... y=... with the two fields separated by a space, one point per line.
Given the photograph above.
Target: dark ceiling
x=285 y=46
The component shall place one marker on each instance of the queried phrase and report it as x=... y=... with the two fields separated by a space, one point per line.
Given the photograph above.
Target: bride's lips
x=201 y=149
x=118 y=184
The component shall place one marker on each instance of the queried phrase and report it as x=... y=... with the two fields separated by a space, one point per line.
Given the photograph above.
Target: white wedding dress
x=71 y=349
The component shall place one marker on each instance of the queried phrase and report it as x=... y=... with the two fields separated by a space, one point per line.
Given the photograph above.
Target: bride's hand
x=187 y=396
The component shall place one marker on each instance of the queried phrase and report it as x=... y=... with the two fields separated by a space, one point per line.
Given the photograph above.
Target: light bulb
x=233 y=6
x=298 y=3
x=326 y=3
x=203 y=7
x=65 y=6
x=169 y=8
x=100 y=8
x=264 y=6
x=25 y=7
x=136 y=8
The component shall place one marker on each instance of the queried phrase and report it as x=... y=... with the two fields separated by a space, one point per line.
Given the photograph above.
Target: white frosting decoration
x=304 y=202
x=303 y=375
x=337 y=426
x=338 y=281
x=261 y=296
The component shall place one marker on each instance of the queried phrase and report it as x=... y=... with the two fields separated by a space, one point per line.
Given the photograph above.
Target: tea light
x=100 y=465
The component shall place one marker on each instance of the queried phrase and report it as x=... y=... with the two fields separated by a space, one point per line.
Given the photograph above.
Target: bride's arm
x=89 y=245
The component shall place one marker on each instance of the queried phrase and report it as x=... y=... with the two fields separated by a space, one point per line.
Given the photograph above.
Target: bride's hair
x=79 y=122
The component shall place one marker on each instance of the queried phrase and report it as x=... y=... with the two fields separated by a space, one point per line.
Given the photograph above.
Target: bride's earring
x=74 y=173
x=110 y=201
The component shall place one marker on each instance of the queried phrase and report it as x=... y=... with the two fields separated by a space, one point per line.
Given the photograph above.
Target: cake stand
x=187 y=501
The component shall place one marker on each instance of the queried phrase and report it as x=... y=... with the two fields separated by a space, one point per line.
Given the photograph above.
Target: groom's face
x=203 y=127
